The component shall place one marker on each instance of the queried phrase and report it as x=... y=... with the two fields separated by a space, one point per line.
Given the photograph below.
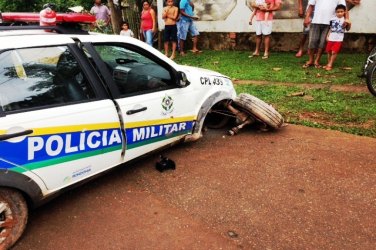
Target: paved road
x=298 y=188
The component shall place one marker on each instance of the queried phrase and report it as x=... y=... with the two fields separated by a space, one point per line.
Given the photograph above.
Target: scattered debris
x=300 y=93
x=277 y=69
x=347 y=68
x=164 y=164
x=232 y=234
x=318 y=75
x=308 y=98
x=215 y=62
x=326 y=81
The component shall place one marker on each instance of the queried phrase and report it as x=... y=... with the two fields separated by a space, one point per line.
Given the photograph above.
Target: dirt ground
x=297 y=188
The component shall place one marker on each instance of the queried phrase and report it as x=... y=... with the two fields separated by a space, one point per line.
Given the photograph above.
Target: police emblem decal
x=167 y=104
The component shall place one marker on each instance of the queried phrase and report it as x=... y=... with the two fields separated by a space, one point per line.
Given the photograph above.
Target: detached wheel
x=13 y=216
x=259 y=109
x=371 y=78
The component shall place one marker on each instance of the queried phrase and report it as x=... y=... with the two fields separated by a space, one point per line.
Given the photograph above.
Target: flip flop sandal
x=318 y=66
x=307 y=65
x=328 y=68
x=196 y=51
x=253 y=55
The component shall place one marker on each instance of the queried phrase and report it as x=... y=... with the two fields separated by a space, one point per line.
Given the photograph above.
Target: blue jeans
x=148 y=35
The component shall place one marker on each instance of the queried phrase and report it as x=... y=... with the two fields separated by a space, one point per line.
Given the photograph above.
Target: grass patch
x=347 y=112
x=280 y=67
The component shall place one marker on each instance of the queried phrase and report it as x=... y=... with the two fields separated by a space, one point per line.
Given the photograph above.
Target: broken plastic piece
x=164 y=164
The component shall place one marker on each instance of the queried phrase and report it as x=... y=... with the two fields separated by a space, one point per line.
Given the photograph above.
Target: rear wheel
x=259 y=109
x=13 y=216
x=371 y=78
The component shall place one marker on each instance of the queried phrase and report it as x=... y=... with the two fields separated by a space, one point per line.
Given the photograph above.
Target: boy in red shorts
x=335 y=35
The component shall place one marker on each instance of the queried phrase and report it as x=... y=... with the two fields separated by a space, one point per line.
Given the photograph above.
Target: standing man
x=262 y=27
x=101 y=12
x=186 y=24
x=319 y=27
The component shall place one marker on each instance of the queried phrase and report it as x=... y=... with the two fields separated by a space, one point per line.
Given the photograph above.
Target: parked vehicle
x=369 y=71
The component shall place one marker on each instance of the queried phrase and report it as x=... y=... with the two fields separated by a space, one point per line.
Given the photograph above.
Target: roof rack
x=61 y=29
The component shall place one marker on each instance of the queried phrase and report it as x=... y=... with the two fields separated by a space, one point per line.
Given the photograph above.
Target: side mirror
x=182 y=80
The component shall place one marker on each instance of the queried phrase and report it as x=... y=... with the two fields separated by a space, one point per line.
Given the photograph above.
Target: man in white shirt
x=319 y=27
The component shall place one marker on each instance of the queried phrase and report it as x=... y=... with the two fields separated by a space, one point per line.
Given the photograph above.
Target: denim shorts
x=317 y=36
x=184 y=26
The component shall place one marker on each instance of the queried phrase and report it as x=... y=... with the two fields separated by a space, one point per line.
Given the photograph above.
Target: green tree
x=18 y=5
x=36 y=5
x=63 y=5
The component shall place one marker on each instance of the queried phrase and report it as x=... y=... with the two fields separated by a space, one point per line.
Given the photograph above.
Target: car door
x=155 y=110
x=56 y=121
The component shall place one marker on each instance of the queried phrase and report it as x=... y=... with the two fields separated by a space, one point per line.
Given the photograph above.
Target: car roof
x=12 y=39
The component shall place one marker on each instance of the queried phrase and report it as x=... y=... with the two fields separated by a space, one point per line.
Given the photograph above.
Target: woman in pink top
x=264 y=28
x=148 y=22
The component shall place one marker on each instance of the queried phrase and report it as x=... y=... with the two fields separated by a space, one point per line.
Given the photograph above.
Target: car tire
x=13 y=216
x=259 y=109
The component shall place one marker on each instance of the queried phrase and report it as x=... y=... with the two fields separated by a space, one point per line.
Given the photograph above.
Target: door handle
x=133 y=111
x=9 y=136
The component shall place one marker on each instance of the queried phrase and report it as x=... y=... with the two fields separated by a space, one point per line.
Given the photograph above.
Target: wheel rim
x=6 y=221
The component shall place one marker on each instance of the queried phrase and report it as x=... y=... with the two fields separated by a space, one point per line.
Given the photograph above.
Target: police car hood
x=200 y=71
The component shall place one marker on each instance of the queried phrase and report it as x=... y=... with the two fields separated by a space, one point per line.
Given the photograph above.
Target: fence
x=131 y=14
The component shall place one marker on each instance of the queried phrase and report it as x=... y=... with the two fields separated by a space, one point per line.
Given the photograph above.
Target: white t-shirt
x=324 y=10
x=127 y=33
x=337 y=31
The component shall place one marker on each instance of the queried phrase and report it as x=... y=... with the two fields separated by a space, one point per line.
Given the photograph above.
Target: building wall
x=233 y=16
x=280 y=41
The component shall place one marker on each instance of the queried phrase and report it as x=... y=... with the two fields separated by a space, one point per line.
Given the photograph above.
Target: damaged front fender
x=205 y=108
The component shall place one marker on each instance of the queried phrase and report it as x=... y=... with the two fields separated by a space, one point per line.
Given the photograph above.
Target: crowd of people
x=325 y=22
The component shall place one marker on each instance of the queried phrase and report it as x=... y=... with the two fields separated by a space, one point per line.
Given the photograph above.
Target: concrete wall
x=279 y=42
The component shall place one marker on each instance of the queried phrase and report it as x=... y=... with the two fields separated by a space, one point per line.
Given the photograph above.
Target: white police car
x=75 y=105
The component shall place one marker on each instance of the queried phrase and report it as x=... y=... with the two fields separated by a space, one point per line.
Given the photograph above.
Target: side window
x=133 y=72
x=39 y=77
